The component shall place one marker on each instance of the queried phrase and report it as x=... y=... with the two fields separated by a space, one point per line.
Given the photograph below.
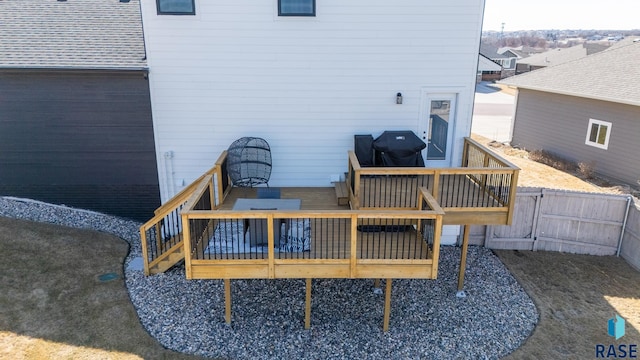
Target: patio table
x=258 y=227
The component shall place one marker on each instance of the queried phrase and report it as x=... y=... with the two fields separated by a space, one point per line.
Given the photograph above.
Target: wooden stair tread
x=342 y=192
x=165 y=264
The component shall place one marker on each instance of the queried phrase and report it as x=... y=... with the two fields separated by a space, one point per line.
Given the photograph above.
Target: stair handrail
x=175 y=204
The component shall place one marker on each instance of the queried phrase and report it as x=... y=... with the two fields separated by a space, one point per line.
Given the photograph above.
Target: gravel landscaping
x=427 y=319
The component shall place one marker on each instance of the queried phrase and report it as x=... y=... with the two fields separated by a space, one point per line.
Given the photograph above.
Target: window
x=176 y=7
x=296 y=7
x=598 y=133
x=438 y=129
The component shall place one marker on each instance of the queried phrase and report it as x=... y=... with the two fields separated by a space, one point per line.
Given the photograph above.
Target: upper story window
x=176 y=7
x=296 y=7
x=598 y=133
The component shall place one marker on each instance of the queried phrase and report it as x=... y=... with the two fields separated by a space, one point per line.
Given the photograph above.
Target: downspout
x=170 y=182
x=624 y=226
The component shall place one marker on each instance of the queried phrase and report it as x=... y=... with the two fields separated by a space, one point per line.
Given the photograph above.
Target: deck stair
x=342 y=193
x=168 y=259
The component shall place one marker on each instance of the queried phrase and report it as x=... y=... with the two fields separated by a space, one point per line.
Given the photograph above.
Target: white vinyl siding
x=598 y=133
x=307 y=87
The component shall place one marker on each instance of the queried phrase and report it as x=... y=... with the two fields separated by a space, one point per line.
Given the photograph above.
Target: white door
x=437 y=126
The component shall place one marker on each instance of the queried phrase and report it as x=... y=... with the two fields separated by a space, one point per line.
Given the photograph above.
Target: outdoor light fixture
x=399 y=98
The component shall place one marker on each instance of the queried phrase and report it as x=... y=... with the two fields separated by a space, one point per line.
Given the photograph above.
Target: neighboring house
x=306 y=76
x=507 y=60
x=557 y=56
x=586 y=110
x=509 y=64
x=75 y=112
x=517 y=51
x=486 y=65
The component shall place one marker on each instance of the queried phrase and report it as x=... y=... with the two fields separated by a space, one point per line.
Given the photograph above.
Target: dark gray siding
x=79 y=138
x=558 y=124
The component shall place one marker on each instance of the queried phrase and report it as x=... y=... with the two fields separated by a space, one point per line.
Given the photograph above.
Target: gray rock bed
x=427 y=319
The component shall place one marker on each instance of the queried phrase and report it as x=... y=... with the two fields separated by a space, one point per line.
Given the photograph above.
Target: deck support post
x=307 y=308
x=376 y=283
x=463 y=256
x=387 y=306
x=227 y=300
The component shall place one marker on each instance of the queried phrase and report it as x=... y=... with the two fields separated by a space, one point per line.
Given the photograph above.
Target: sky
x=562 y=15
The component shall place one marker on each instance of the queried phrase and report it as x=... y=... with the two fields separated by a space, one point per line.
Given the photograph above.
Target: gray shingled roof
x=562 y=55
x=491 y=51
x=612 y=75
x=72 y=34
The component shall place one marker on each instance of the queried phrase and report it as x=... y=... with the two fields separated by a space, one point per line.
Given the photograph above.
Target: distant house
x=507 y=60
x=486 y=65
x=586 y=110
x=75 y=113
x=557 y=56
x=521 y=51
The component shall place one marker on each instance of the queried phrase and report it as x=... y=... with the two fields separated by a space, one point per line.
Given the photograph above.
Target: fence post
x=536 y=217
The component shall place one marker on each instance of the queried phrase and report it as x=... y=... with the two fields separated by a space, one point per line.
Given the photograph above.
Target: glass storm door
x=437 y=129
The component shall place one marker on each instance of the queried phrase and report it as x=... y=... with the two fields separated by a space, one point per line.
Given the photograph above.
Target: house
x=75 y=113
x=509 y=64
x=520 y=52
x=586 y=110
x=486 y=65
x=557 y=56
x=308 y=76
x=506 y=59
x=306 y=82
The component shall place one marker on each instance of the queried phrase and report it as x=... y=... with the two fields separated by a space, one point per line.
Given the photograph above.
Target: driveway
x=492 y=113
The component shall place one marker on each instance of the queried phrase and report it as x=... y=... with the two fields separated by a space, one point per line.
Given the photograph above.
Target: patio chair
x=249 y=162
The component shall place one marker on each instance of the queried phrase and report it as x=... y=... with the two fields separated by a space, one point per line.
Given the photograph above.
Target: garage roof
x=71 y=34
x=611 y=75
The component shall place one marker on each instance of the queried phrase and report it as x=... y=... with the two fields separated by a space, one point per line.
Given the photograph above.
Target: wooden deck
x=482 y=191
x=312 y=198
x=398 y=192
x=391 y=228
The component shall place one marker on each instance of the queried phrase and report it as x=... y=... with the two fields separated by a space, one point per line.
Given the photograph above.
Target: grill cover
x=399 y=148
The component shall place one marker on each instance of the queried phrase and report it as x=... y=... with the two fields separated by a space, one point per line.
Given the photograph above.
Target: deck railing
x=229 y=244
x=484 y=181
x=162 y=235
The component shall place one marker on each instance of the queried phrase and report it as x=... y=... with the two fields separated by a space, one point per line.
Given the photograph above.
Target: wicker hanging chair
x=249 y=162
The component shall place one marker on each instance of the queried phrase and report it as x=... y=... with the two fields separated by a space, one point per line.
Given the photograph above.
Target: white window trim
x=296 y=15
x=606 y=139
x=193 y=2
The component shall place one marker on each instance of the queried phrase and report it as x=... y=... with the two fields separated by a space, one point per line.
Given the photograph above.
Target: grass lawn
x=575 y=296
x=53 y=304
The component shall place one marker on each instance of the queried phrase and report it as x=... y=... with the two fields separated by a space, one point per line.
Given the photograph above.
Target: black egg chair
x=249 y=162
